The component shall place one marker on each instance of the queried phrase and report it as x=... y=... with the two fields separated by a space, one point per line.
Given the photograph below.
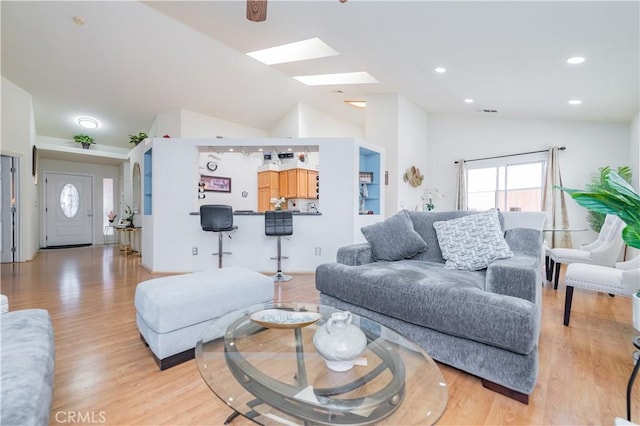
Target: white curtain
x=554 y=204
x=461 y=189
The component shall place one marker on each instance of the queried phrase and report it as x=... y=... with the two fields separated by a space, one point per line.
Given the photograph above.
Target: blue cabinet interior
x=148 y=189
x=370 y=192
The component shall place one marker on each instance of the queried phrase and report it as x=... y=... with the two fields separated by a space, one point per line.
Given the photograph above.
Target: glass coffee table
x=271 y=373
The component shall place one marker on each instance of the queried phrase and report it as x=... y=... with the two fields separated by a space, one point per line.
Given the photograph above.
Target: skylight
x=359 y=77
x=299 y=51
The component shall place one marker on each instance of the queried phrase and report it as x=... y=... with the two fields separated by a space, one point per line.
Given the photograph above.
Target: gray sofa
x=485 y=322
x=27 y=364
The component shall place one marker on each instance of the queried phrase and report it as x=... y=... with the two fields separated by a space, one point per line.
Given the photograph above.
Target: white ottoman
x=171 y=312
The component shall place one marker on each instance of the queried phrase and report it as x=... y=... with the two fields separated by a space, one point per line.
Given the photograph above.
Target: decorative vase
x=85 y=145
x=635 y=301
x=339 y=342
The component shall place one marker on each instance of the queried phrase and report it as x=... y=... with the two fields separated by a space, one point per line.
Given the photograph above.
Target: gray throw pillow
x=472 y=242
x=394 y=238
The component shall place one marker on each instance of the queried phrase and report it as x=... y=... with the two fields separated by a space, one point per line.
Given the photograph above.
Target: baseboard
x=502 y=390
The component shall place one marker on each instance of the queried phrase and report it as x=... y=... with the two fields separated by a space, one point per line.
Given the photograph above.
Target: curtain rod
x=562 y=148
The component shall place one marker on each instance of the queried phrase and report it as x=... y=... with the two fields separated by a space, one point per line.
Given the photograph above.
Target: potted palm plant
x=85 y=140
x=615 y=196
x=594 y=218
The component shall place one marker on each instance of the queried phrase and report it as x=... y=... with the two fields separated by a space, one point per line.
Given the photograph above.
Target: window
x=107 y=204
x=509 y=187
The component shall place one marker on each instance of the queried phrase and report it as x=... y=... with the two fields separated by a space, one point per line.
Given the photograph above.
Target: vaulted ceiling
x=129 y=61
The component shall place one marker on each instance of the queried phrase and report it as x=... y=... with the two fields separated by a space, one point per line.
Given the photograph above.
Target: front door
x=68 y=209
x=7 y=210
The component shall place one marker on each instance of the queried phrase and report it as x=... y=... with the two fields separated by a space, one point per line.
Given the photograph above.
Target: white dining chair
x=604 y=251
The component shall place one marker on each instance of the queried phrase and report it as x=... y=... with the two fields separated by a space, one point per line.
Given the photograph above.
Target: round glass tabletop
x=261 y=362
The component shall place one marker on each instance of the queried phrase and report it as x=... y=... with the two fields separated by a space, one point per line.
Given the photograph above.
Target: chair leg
x=279 y=276
x=550 y=265
x=557 y=275
x=220 y=250
x=568 y=299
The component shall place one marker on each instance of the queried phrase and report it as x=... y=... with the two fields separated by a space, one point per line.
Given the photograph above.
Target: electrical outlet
x=194 y=250
x=318 y=251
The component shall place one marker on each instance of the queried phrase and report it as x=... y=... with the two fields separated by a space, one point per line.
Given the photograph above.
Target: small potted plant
x=136 y=139
x=129 y=216
x=85 y=140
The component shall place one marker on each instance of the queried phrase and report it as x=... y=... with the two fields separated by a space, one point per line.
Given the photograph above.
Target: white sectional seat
x=171 y=312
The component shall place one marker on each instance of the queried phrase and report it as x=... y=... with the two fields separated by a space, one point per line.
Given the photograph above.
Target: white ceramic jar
x=339 y=342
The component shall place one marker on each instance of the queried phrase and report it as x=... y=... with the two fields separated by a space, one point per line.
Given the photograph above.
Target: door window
x=69 y=200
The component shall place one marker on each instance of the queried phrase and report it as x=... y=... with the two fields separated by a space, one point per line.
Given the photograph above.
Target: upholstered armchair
x=604 y=251
x=624 y=280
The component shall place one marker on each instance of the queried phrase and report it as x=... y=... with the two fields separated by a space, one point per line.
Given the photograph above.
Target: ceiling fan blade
x=257 y=10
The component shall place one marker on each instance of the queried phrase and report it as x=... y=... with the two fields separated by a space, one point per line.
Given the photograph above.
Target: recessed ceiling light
x=575 y=102
x=230 y=149
x=575 y=60
x=360 y=77
x=299 y=51
x=468 y=101
x=440 y=70
x=88 y=122
x=260 y=149
x=357 y=104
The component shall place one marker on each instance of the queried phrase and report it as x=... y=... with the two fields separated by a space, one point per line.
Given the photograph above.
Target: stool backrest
x=216 y=217
x=278 y=222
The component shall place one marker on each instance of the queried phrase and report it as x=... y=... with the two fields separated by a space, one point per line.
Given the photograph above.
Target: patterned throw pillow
x=472 y=242
x=394 y=238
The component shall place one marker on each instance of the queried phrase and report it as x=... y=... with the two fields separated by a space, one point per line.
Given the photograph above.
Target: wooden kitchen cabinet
x=298 y=183
x=312 y=179
x=268 y=188
x=268 y=179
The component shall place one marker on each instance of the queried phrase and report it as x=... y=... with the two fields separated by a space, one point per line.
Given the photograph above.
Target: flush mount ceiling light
x=88 y=122
x=357 y=104
x=360 y=77
x=575 y=102
x=440 y=70
x=298 y=51
x=575 y=60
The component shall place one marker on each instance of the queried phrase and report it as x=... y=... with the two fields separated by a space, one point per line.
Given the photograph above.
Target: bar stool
x=217 y=218
x=276 y=224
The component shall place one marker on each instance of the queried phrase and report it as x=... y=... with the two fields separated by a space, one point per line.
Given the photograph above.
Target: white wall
x=183 y=123
x=412 y=151
x=98 y=172
x=399 y=126
x=382 y=129
x=634 y=155
x=303 y=121
x=18 y=135
x=288 y=126
x=589 y=145
x=634 y=150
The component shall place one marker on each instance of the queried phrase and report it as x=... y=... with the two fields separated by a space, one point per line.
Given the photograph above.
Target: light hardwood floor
x=105 y=374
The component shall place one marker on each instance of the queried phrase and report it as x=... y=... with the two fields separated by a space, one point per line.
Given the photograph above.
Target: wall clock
x=212 y=165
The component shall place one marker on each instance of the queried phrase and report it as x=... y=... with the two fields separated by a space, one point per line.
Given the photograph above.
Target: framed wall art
x=216 y=183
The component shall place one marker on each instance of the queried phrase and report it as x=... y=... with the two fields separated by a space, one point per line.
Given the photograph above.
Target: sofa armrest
x=520 y=275
x=355 y=254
